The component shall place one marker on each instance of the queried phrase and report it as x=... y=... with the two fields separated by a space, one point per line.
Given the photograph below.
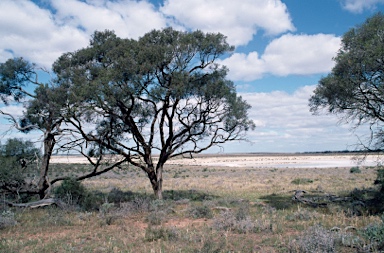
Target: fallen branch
x=322 y=201
x=39 y=203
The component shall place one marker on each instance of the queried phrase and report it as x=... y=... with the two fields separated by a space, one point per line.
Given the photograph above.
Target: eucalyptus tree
x=153 y=99
x=42 y=104
x=354 y=90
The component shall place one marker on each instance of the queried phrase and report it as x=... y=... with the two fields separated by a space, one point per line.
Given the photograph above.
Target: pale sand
x=258 y=160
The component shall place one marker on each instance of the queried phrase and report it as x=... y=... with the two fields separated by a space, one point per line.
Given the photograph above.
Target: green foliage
x=19 y=149
x=380 y=178
x=193 y=195
x=92 y=200
x=379 y=196
x=15 y=74
x=10 y=172
x=15 y=155
x=166 y=82
x=374 y=234
x=74 y=193
x=354 y=170
x=71 y=191
x=354 y=89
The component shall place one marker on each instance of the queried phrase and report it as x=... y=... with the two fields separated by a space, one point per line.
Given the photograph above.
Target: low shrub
x=243 y=211
x=200 y=211
x=153 y=233
x=374 y=235
x=354 y=170
x=228 y=221
x=92 y=201
x=315 y=239
x=71 y=191
x=7 y=219
x=302 y=181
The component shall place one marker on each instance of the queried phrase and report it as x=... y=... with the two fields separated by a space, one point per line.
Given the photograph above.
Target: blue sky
x=283 y=47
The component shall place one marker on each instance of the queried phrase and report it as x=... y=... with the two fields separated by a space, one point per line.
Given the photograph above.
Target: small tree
x=43 y=111
x=15 y=76
x=15 y=156
x=354 y=89
x=162 y=94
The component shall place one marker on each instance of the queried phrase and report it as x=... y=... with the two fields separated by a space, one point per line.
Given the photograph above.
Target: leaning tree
x=354 y=90
x=42 y=104
x=152 y=99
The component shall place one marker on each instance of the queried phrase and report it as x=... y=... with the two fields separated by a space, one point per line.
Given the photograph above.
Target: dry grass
x=269 y=220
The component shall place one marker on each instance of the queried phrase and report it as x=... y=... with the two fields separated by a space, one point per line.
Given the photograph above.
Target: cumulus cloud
x=127 y=18
x=358 y=6
x=29 y=31
x=285 y=124
x=314 y=54
x=41 y=34
x=237 y=20
x=284 y=57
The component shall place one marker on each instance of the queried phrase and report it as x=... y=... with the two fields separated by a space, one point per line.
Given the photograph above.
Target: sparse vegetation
x=302 y=181
x=233 y=210
x=200 y=211
x=315 y=239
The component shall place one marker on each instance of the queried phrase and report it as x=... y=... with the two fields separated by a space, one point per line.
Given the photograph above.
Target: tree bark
x=49 y=143
x=156 y=180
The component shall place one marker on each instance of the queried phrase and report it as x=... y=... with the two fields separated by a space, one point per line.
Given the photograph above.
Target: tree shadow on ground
x=118 y=196
x=279 y=202
x=193 y=195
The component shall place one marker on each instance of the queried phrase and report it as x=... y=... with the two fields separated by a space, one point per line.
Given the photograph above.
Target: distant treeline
x=343 y=151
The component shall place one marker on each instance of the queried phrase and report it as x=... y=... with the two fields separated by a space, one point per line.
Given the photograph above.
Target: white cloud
x=301 y=54
x=358 y=6
x=15 y=110
x=29 y=31
x=127 y=18
x=284 y=124
x=42 y=35
x=239 y=20
x=245 y=67
x=286 y=55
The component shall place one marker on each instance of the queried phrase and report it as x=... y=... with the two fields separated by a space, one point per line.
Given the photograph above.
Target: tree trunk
x=157 y=182
x=49 y=143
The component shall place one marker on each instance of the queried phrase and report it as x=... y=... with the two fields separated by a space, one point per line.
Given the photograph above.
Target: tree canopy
x=44 y=108
x=354 y=89
x=163 y=94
